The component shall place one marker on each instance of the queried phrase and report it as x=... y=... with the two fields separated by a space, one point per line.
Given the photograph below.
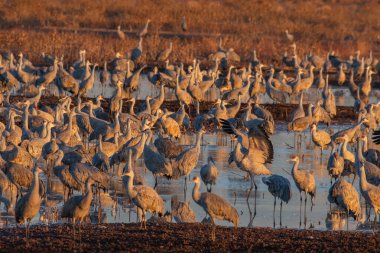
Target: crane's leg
x=185 y=187
x=312 y=203
x=213 y=228
x=304 y=211
x=347 y=213
x=155 y=182
x=321 y=155
x=250 y=189
x=281 y=214
x=274 y=213
x=300 y=207
x=144 y=218
x=197 y=105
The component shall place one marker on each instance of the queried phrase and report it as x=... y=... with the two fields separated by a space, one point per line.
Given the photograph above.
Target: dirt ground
x=172 y=237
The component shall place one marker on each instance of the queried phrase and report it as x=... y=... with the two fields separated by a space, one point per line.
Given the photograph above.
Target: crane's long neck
x=148 y=105
x=100 y=145
x=295 y=166
x=162 y=93
x=35 y=185
x=199 y=140
x=365 y=145
x=363 y=180
x=88 y=197
x=131 y=191
x=25 y=120
x=196 y=193
x=131 y=109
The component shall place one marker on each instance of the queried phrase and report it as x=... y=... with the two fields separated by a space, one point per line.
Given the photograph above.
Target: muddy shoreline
x=171 y=237
x=280 y=112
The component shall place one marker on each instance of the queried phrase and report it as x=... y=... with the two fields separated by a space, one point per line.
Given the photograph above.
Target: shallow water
x=231 y=186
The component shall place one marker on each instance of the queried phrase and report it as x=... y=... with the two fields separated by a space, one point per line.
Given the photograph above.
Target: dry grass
x=344 y=26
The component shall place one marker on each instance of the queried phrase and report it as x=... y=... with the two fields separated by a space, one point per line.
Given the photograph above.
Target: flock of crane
x=59 y=140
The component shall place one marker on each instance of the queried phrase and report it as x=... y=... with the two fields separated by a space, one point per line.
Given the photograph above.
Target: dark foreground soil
x=172 y=237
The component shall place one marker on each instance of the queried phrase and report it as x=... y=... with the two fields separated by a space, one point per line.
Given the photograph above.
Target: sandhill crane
x=120 y=33
x=335 y=163
x=181 y=211
x=305 y=83
x=100 y=159
x=301 y=124
x=209 y=173
x=341 y=76
x=275 y=94
x=155 y=163
x=320 y=80
x=187 y=160
x=143 y=197
x=346 y=197
x=34 y=146
x=372 y=155
x=170 y=126
x=304 y=181
x=48 y=77
x=163 y=55
x=136 y=52
x=66 y=82
x=365 y=85
x=155 y=103
x=28 y=206
x=144 y=31
x=253 y=159
x=299 y=112
x=279 y=187
x=78 y=207
x=371 y=193
x=184 y=24
x=371 y=170
x=87 y=84
x=133 y=81
x=103 y=75
x=63 y=173
x=215 y=206
x=320 y=137
x=289 y=36
x=350 y=132
x=182 y=96
x=167 y=148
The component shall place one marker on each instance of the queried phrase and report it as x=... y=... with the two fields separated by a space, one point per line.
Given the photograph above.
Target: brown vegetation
x=318 y=25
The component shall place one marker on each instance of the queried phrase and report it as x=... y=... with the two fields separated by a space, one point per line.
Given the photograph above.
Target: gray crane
x=181 y=211
x=371 y=193
x=87 y=84
x=137 y=52
x=164 y=55
x=184 y=24
x=320 y=137
x=209 y=173
x=167 y=147
x=144 y=197
x=335 y=163
x=170 y=126
x=120 y=33
x=346 y=197
x=215 y=206
x=100 y=159
x=63 y=173
x=304 y=181
x=104 y=76
x=28 y=206
x=78 y=207
x=279 y=187
x=187 y=160
x=155 y=163
x=144 y=31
